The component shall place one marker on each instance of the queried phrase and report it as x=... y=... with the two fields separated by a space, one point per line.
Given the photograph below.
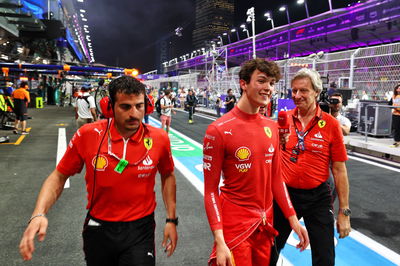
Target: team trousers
x=119 y=243
x=315 y=206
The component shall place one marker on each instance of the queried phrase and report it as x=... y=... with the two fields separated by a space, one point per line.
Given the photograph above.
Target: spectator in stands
x=190 y=103
x=335 y=107
x=364 y=95
x=395 y=101
x=21 y=100
x=230 y=101
x=166 y=110
x=85 y=108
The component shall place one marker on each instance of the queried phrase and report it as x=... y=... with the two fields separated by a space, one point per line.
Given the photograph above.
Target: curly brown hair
x=395 y=90
x=270 y=68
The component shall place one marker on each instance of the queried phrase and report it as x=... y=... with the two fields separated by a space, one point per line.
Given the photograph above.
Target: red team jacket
x=245 y=149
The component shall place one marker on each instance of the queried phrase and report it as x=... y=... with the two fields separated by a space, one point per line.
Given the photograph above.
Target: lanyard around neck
x=301 y=135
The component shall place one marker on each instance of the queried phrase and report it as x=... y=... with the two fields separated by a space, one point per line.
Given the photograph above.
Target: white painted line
x=61 y=148
x=375 y=164
x=375 y=246
x=200 y=115
x=189 y=176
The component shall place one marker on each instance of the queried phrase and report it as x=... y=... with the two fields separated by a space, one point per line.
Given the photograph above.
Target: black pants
x=314 y=205
x=396 y=127
x=191 y=112
x=119 y=243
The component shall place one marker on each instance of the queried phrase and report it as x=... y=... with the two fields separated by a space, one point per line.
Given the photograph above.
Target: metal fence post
x=351 y=78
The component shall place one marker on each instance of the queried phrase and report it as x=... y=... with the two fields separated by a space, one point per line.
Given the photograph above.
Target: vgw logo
x=243 y=167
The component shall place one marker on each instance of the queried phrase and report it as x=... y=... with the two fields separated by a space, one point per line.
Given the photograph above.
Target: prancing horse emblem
x=148 y=143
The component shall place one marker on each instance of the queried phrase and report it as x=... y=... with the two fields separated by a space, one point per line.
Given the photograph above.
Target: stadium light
x=251 y=17
x=269 y=18
x=300 y=2
x=284 y=8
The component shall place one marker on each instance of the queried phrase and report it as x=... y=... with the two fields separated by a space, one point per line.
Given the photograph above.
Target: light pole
x=237 y=33
x=229 y=37
x=269 y=18
x=300 y=2
x=330 y=5
x=284 y=8
x=220 y=38
x=243 y=26
x=251 y=17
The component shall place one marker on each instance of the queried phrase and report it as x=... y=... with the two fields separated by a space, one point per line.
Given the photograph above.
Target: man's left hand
x=171 y=235
x=343 y=225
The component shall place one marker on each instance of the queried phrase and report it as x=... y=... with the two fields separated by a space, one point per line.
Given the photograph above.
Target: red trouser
x=255 y=250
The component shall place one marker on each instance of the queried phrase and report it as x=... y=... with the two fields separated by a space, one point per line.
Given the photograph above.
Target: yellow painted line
x=61 y=125
x=20 y=139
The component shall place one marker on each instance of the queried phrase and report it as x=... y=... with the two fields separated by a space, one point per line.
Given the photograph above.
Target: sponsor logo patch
x=243 y=153
x=209 y=137
x=208 y=146
x=207 y=166
x=268 y=132
x=101 y=163
x=208 y=157
x=243 y=167
x=148 y=143
x=321 y=123
x=147 y=161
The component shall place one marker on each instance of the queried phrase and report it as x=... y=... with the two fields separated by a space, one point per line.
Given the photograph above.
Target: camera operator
x=335 y=106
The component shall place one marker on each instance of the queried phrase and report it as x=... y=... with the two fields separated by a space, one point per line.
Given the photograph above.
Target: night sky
x=124 y=33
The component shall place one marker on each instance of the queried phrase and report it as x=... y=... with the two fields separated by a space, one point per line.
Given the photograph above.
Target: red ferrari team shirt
x=245 y=149
x=120 y=194
x=307 y=166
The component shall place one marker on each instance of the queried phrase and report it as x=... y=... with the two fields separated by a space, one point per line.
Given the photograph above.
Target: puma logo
x=150 y=254
x=228 y=132
x=98 y=131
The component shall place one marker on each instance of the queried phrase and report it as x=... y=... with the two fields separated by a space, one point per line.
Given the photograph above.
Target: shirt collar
x=318 y=113
x=242 y=115
x=137 y=137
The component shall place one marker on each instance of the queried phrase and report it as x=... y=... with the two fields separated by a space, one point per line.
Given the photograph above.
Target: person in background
x=395 y=101
x=263 y=110
x=166 y=110
x=85 y=108
x=364 y=95
x=190 y=103
x=21 y=100
x=218 y=105
x=230 y=101
x=335 y=109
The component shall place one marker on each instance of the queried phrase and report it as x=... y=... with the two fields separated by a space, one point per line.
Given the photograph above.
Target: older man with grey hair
x=315 y=144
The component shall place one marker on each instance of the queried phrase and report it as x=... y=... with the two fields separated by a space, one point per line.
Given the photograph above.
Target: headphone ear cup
x=106 y=107
x=149 y=106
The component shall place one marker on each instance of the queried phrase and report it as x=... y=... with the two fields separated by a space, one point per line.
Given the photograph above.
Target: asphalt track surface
x=374 y=198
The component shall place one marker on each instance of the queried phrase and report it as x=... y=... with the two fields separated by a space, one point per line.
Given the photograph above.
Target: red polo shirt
x=323 y=144
x=125 y=196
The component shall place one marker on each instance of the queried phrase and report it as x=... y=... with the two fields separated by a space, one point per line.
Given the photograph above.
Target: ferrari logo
x=148 y=143
x=268 y=132
x=321 y=123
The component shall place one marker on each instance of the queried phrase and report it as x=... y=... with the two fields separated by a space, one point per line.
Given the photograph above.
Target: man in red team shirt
x=121 y=156
x=315 y=144
x=244 y=146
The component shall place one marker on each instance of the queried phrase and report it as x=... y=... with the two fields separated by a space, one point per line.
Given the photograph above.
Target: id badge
x=121 y=166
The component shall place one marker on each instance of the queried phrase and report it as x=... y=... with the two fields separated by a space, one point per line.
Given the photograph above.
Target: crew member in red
x=314 y=145
x=244 y=146
x=122 y=156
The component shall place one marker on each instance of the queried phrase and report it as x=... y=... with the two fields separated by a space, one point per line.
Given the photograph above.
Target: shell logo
x=243 y=153
x=101 y=164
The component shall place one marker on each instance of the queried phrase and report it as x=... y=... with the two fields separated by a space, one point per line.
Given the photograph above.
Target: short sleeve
x=166 y=162
x=72 y=161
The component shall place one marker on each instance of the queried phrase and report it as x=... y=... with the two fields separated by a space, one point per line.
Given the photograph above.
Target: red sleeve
x=337 y=147
x=281 y=195
x=213 y=156
x=72 y=161
x=166 y=163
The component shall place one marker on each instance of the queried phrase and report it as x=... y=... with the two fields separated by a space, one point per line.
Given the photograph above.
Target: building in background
x=213 y=18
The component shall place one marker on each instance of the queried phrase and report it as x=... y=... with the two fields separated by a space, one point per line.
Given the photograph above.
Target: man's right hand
x=38 y=226
x=224 y=257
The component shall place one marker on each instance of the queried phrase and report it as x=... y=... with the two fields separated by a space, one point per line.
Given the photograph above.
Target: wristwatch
x=170 y=220
x=346 y=211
